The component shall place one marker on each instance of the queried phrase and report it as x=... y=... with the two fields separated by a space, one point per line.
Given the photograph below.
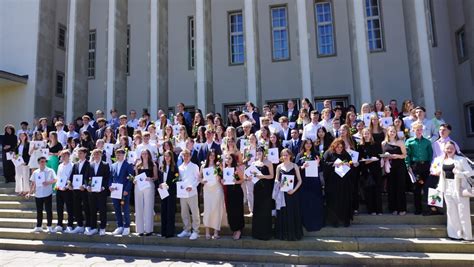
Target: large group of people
x=307 y=168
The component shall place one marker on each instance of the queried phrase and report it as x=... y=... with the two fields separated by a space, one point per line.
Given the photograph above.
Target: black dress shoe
x=148 y=234
x=141 y=234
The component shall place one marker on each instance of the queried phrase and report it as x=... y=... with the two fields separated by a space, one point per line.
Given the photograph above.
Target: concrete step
x=402 y=231
x=246 y=255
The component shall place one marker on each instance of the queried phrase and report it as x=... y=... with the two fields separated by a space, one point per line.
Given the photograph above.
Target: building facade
x=71 y=56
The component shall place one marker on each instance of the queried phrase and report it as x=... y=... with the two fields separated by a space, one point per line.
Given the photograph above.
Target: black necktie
x=337 y=133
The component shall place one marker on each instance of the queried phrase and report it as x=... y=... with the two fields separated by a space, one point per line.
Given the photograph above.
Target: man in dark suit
x=99 y=133
x=240 y=129
x=210 y=144
x=247 y=131
x=121 y=169
x=123 y=120
x=87 y=126
x=285 y=133
x=295 y=142
x=292 y=113
x=97 y=199
x=194 y=153
x=80 y=199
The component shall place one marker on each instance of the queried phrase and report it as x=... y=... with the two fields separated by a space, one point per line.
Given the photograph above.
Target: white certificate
x=386 y=122
x=435 y=198
x=77 y=181
x=163 y=193
x=159 y=133
x=354 y=155
x=142 y=183
x=40 y=179
x=18 y=161
x=341 y=170
x=366 y=119
x=176 y=129
x=287 y=182
x=10 y=155
x=228 y=176
x=273 y=156
x=252 y=153
x=285 y=143
x=252 y=172
x=37 y=144
x=109 y=148
x=208 y=175
x=243 y=144
x=292 y=125
x=312 y=169
x=62 y=181
x=131 y=157
x=96 y=184
x=118 y=190
x=45 y=153
x=181 y=145
x=181 y=190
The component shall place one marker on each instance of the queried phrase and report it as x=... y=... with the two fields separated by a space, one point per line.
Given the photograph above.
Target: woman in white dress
x=454 y=173
x=214 y=209
x=22 y=172
x=35 y=150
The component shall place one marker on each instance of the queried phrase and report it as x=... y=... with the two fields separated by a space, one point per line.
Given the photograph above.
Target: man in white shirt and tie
x=189 y=176
x=133 y=122
x=310 y=131
x=336 y=128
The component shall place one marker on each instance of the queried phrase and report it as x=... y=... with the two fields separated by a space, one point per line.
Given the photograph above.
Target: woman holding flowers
x=311 y=195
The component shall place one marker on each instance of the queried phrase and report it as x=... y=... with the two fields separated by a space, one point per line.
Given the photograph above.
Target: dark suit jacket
x=295 y=149
x=169 y=179
x=99 y=134
x=121 y=176
x=104 y=171
x=85 y=171
x=294 y=115
x=202 y=155
x=25 y=153
x=281 y=134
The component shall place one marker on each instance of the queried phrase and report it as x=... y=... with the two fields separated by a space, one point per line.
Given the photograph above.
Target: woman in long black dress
x=311 y=196
x=9 y=145
x=234 y=201
x=396 y=178
x=338 y=189
x=263 y=202
x=371 y=172
x=167 y=177
x=288 y=224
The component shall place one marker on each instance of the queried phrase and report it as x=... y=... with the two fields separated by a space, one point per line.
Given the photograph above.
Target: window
x=236 y=38
x=324 y=29
x=91 y=62
x=461 y=46
x=191 y=43
x=59 y=83
x=282 y=105
x=469 y=107
x=62 y=36
x=280 y=47
x=128 y=49
x=335 y=101
x=374 y=25
x=431 y=23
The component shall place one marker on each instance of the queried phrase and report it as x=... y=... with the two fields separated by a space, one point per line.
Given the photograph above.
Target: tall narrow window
x=461 y=45
x=374 y=25
x=128 y=49
x=431 y=23
x=325 y=29
x=62 y=36
x=191 y=43
x=59 y=83
x=91 y=63
x=236 y=38
x=280 y=47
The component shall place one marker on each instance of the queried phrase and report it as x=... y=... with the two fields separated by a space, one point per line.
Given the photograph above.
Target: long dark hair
x=150 y=160
x=303 y=149
x=172 y=163
x=212 y=151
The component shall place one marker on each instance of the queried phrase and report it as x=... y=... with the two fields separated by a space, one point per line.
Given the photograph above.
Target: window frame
x=461 y=58
x=59 y=74
x=320 y=99
x=226 y=108
x=382 y=28
x=333 y=23
x=62 y=27
x=284 y=104
x=89 y=51
x=272 y=29
x=191 y=42
x=230 y=34
x=468 y=119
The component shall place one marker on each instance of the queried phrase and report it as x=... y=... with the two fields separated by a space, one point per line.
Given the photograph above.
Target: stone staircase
x=371 y=240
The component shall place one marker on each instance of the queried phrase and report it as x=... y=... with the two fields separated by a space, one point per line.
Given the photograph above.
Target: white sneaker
x=102 y=232
x=57 y=229
x=68 y=230
x=88 y=229
x=78 y=230
x=118 y=231
x=194 y=236
x=126 y=231
x=49 y=229
x=184 y=233
x=91 y=232
x=38 y=230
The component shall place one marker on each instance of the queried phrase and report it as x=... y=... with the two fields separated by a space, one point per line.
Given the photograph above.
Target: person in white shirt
x=189 y=176
x=407 y=121
x=437 y=120
x=326 y=121
x=147 y=145
x=133 y=122
x=64 y=193
x=72 y=131
x=42 y=180
x=336 y=128
x=62 y=135
x=429 y=131
x=311 y=129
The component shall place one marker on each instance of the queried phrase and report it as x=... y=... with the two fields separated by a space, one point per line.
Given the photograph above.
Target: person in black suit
x=167 y=179
x=285 y=133
x=240 y=129
x=247 y=131
x=210 y=144
x=44 y=127
x=99 y=133
x=194 y=153
x=97 y=200
x=254 y=116
x=275 y=113
x=80 y=199
x=87 y=127
x=123 y=122
x=292 y=113
x=295 y=142
x=9 y=145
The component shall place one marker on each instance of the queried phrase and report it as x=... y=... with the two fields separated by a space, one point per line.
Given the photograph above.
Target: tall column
x=158 y=56
x=468 y=7
x=116 y=81
x=303 y=39
x=204 y=86
x=252 y=61
x=77 y=59
x=360 y=54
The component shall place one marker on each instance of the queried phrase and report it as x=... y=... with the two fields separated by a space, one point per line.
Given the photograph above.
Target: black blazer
x=294 y=115
x=202 y=155
x=86 y=172
x=104 y=171
x=25 y=153
x=281 y=134
x=169 y=179
x=99 y=134
x=295 y=149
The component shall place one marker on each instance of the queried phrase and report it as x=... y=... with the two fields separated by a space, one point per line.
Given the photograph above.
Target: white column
x=425 y=58
x=253 y=84
x=154 y=59
x=110 y=96
x=70 y=61
x=200 y=56
x=304 y=49
x=362 y=52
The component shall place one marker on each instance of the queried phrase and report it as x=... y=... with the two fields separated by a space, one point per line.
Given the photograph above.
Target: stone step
x=359 y=244
x=303 y=257
x=402 y=231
